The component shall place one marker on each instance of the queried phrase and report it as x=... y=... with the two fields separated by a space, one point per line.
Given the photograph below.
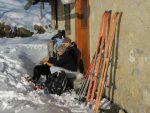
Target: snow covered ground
x=18 y=56
x=12 y=13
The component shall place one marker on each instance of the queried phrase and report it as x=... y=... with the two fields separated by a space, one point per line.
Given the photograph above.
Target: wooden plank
x=82 y=30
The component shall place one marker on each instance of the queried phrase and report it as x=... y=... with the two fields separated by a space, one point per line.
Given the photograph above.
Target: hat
x=66 y=40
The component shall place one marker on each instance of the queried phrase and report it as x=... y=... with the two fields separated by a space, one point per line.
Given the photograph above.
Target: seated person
x=65 y=61
x=74 y=51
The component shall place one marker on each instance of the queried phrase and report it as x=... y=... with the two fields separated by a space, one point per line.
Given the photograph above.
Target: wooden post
x=82 y=30
x=67 y=18
x=54 y=21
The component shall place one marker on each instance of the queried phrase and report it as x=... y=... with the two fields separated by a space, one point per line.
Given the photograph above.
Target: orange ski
x=99 y=56
x=107 y=54
x=95 y=57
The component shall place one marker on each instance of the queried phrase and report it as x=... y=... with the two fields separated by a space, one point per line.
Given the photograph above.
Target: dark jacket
x=74 y=51
x=66 y=61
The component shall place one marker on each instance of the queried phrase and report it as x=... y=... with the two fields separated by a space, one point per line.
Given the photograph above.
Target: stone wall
x=11 y=32
x=131 y=82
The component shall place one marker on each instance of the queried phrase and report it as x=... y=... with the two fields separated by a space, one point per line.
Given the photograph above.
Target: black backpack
x=56 y=83
x=60 y=34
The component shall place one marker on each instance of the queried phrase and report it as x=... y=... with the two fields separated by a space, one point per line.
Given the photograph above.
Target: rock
x=22 y=32
x=39 y=29
x=2 y=29
x=9 y=32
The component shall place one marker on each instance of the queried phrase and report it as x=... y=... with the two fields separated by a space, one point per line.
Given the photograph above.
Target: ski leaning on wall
x=93 y=85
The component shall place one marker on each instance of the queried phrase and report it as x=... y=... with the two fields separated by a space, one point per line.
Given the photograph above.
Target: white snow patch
x=17 y=60
x=12 y=13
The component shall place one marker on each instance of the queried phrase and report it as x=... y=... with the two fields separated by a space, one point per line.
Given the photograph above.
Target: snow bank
x=12 y=13
x=17 y=59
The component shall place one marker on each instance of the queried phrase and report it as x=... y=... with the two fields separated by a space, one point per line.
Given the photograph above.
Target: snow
x=18 y=56
x=12 y=13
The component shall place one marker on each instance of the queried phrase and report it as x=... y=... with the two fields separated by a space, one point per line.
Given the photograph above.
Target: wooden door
x=82 y=30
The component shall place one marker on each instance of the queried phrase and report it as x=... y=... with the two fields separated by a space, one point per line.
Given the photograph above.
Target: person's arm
x=44 y=60
x=55 y=62
x=49 y=64
x=58 y=63
x=61 y=61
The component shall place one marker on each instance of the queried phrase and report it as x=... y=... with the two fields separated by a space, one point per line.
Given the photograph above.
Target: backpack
x=60 y=35
x=56 y=83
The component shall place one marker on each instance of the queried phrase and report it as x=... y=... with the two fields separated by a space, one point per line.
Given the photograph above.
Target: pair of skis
x=96 y=59
x=107 y=54
x=103 y=48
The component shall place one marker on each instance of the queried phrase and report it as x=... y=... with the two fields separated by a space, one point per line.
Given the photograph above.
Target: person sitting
x=69 y=61
x=66 y=61
x=75 y=52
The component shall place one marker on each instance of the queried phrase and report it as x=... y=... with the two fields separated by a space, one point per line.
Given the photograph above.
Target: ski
x=95 y=58
x=86 y=81
x=99 y=56
x=87 y=84
x=107 y=54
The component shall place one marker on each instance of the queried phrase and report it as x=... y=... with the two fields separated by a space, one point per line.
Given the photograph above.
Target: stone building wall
x=132 y=75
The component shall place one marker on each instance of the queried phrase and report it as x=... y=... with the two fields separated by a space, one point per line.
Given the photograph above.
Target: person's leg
x=40 y=70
